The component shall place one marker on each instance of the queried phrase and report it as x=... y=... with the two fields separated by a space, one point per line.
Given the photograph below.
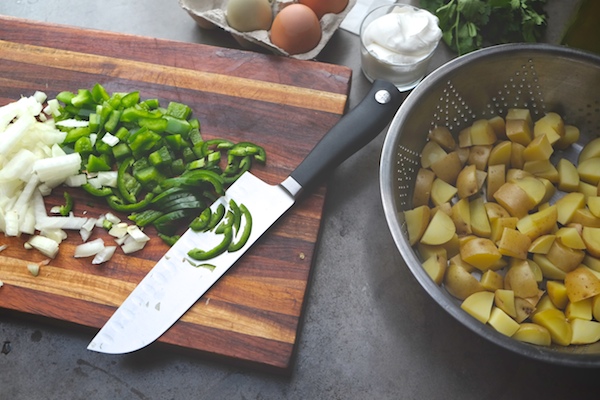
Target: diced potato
x=564 y=257
x=435 y=266
x=589 y=170
x=482 y=133
x=447 y=167
x=519 y=131
x=592 y=262
x=461 y=215
x=519 y=114
x=499 y=126
x=585 y=332
x=550 y=125
x=524 y=308
x=533 y=334
x=492 y=281
x=431 y=153
x=568 y=177
x=538 y=149
x=516 y=155
x=591 y=238
x=501 y=154
x=479 y=156
x=549 y=270
x=498 y=225
x=571 y=136
x=423 y=183
x=537 y=271
x=481 y=253
x=542 y=169
x=460 y=283
x=557 y=293
x=534 y=187
x=503 y=323
x=593 y=203
x=442 y=136
x=567 y=205
x=590 y=150
x=514 y=199
x=458 y=261
x=587 y=189
x=480 y=224
x=514 y=244
x=495 y=210
x=440 y=229
x=584 y=217
x=416 y=220
x=580 y=309
x=557 y=324
x=464 y=138
x=496 y=177
x=441 y=192
x=550 y=190
x=581 y=284
x=520 y=279
x=542 y=244
x=479 y=305
x=544 y=304
x=539 y=223
x=504 y=299
x=570 y=237
x=468 y=182
x=596 y=307
x=426 y=251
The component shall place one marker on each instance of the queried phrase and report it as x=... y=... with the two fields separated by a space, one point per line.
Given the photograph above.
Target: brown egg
x=296 y=29
x=322 y=7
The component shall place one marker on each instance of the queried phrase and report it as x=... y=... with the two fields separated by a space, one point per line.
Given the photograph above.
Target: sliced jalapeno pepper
x=201 y=221
x=117 y=204
x=245 y=234
x=202 y=255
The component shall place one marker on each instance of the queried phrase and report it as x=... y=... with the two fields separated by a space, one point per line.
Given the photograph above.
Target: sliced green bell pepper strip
x=66 y=208
x=145 y=217
x=122 y=186
x=98 y=192
x=201 y=222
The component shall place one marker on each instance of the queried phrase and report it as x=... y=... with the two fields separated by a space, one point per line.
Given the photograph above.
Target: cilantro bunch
x=468 y=25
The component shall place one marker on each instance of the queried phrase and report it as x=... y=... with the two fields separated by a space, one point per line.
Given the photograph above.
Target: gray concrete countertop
x=369 y=331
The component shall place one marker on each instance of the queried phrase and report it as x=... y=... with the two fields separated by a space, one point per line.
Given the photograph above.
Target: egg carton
x=210 y=14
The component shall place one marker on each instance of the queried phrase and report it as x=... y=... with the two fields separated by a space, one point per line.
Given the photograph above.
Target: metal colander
x=483 y=84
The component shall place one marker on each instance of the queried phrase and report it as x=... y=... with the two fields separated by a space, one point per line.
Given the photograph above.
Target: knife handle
x=351 y=133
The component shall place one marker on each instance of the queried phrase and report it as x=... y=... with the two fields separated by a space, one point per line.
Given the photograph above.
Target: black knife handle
x=351 y=133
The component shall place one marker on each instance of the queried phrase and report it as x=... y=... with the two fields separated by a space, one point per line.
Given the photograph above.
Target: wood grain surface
x=253 y=314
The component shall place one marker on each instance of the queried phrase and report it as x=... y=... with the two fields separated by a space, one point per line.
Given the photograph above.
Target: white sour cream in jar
x=397 y=45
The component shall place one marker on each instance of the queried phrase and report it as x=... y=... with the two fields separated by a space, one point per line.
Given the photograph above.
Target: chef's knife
x=176 y=282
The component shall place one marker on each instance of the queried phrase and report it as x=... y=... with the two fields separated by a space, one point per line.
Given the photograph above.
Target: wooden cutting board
x=252 y=315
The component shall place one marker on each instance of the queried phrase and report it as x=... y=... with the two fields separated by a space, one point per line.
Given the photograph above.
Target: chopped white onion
x=118 y=230
x=90 y=248
x=33 y=268
x=76 y=180
x=73 y=123
x=131 y=245
x=44 y=245
x=104 y=255
x=136 y=233
x=110 y=139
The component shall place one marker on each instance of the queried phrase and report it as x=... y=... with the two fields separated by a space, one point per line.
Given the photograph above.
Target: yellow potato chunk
x=481 y=253
x=501 y=154
x=568 y=177
x=499 y=126
x=557 y=293
x=492 y=281
x=542 y=244
x=591 y=238
x=504 y=299
x=542 y=169
x=467 y=182
x=514 y=244
x=519 y=131
x=538 y=149
x=440 y=229
x=557 y=324
x=498 y=225
x=447 y=167
x=461 y=215
x=533 y=334
x=479 y=305
x=520 y=279
x=589 y=170
x=571 y=136
x=580 y=309
x=581 y=284
x=460 y=283
x=550 y=125
x=416 y=220
x=514 y=199
x=596 y=307
x=423 y=183
x=593 y=203
x=590 y=150
x=549 y=270
x=567 y=205
x=503 y=323
x=435 y=266
x=584 y=332
x=570 y=237
x=442 y=136
x=441 y=192
x=539 y=223
x=479 y=156
x=563 y=257
x=482 y=133
x=431 y=153
x=480 y=224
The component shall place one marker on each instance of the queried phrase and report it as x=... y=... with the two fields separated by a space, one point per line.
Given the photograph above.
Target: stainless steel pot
x=483 y=84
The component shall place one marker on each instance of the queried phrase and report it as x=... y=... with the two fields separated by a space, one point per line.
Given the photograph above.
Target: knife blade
x=176 y=282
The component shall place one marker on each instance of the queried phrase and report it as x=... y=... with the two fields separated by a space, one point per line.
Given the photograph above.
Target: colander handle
x=352 y=132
